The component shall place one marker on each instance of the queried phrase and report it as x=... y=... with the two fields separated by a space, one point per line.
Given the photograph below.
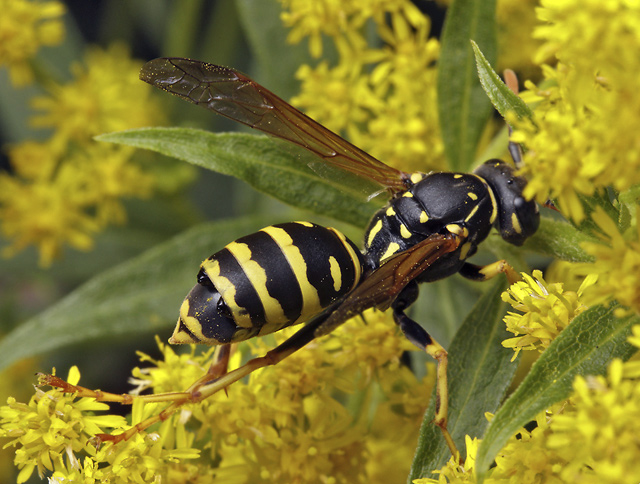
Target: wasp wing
x=380 y=288
x=234 y=95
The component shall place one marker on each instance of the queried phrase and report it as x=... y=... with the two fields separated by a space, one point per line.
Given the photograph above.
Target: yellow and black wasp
x=304 y=273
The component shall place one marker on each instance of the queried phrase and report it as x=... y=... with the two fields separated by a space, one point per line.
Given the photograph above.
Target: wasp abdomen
x=281 y=275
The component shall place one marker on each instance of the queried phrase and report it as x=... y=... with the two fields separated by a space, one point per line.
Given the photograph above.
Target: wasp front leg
x=484 y=273
x=419 y=337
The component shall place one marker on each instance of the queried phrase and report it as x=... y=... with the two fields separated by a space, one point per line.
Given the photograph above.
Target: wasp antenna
x=511 y=80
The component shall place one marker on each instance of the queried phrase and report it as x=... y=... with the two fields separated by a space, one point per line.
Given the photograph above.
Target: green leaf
x=269 y=165
x=502 y=98
x=142 y=295
x=480 y=372
x=585 y=347
x=560 y=240
x=463 y=107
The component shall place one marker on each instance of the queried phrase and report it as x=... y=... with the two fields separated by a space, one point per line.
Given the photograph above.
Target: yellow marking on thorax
x=458 y=230
x=390 y=212
x=472 y=196
x=404 y=231
x=407 y=194
x=310 y=300
x=457 y=175
x=373 y=232
x=417 y=177
x=392 y=249
x=464 y=250
x=423 y=217
x=274 y=314
x=472 y=213
x=228 y=292
x=494 y=203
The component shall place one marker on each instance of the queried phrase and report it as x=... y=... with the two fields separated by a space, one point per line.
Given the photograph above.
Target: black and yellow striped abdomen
x=281 y=275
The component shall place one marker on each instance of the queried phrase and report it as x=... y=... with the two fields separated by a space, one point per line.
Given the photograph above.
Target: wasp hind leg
x=216 y=379
x=419 y=337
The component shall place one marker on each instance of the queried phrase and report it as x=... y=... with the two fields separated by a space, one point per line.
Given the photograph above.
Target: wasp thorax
x=204 y=318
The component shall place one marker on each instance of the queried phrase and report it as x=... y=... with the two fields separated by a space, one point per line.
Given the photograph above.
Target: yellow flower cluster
x=617 y=263
x=51 y=428
x=582 y=134
x=342 y=409
x=516 y=20
x=381 y=97
x=65 y=189
x=547 y=308
x=25 y=26
x=590 y=438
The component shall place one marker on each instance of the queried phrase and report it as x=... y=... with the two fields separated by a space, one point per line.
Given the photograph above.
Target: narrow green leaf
x=269 y=165
x=463 y=107
x=141 y=295
x=500 y=95
x=585 y=347
x=560 y=240
x=480 y=372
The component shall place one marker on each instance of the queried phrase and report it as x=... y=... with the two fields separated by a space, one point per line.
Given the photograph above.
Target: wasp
x=301 y=272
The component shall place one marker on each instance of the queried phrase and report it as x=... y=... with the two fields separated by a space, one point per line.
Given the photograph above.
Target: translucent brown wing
x=232 y=94
x=380 y=288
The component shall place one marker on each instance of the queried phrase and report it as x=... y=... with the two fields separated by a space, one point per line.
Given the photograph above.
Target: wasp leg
x=220 y=363
x=200 y=390
x=483 y=273
x=419 y=337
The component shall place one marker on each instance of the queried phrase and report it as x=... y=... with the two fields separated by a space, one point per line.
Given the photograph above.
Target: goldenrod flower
x=52 y=428
x=547 y=308
x=66 y=201
x=25 y=26
x=104 y=96
x=383 y=98
x=602 y=415
x=66 y=189
x=47 y=215
x=617 y=263
x=582 y=134
x=453 y=472
x=314 y=417
x=516 y=20
x=55 y=430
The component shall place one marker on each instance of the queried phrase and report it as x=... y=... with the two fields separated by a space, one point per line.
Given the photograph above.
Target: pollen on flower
x=547 y=309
